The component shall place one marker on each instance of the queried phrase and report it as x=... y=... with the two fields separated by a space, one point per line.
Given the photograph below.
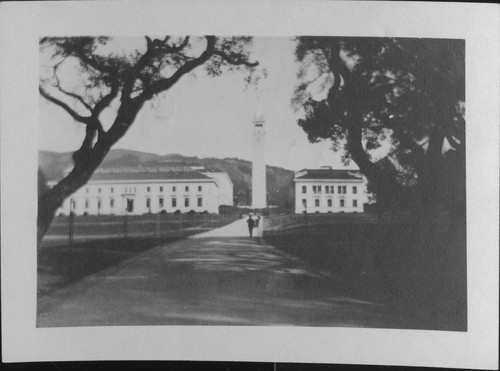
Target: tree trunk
x=388 y=191
x=429 y=174
x=53 y=198
x=87 y=159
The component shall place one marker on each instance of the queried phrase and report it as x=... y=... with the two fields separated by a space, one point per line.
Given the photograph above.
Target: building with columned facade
x=326 y=190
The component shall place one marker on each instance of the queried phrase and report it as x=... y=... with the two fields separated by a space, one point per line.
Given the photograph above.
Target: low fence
x=67 y=229
x=311 y=222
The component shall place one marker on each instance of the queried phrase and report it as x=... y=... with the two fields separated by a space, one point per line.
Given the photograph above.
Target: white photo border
x=21 y=25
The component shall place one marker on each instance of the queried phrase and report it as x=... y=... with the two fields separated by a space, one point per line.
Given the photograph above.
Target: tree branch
x=106 y=100
x=162 y=45
x=73 y=95
x=93 y=63
x=235 y=61
x=68 y=109
x=167 y=83
x=337 y=66
x=134 y=73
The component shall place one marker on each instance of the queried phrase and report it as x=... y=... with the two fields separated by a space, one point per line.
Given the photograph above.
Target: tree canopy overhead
x=88 y=75
x=408 y=93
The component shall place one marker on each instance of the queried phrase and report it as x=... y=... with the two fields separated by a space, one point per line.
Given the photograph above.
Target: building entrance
x=130 y=205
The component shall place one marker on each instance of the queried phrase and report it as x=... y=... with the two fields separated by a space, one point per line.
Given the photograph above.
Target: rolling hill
x=279 y=180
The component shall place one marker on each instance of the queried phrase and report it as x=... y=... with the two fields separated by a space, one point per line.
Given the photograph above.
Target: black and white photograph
x=208 y=180
x=311 y=181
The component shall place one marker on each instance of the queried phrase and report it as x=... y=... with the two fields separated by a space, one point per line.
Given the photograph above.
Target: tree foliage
x=88 y=75
x=405 y=94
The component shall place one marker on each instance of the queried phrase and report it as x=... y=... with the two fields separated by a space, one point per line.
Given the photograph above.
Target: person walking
x=251 y=224
x=257 y=220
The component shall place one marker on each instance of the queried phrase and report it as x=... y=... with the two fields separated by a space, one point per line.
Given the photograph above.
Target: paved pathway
x=211 y=280
x=238 y=228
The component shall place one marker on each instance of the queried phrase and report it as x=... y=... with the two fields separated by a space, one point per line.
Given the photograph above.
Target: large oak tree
x=406 y=93
x=104 y=78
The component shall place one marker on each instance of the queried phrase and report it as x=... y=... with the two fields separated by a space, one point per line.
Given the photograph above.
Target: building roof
x=148 y=175
x=329 y=174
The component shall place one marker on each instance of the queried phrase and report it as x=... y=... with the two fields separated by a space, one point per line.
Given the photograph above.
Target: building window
x=99 y=204
x=319 y=189
x=130 y=205
x=112 y=189
x=354 y=203
x=186 y=201
x=344 y=189
x=330 y=202
x=339 y=189
x=73 y=204
x=354 y=189
x=200 y=202
x=173 y=189
x=174 y=202
x=315 y=190
x=160 y=201
x=304 y=189
x=199 y=188
x=304 y=203
x=99 y=190
x=332 y=188
x=186 y=188
x=341 y=203
x=148 y=189
x=86 y=204
x=316 y=203
x=111 y=203
x=148 y=203
x=327 y=189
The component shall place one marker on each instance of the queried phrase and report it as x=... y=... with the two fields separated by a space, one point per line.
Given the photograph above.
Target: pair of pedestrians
x=252 y=223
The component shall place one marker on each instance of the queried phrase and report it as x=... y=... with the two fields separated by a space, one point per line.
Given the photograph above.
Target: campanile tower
x=259 y=164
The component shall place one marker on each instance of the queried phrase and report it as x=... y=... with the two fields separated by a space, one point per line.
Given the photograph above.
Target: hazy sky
x=203 y=117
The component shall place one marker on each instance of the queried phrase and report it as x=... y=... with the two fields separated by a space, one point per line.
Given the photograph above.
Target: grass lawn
x=417 y=268
x=62 y=265
x=99 y=242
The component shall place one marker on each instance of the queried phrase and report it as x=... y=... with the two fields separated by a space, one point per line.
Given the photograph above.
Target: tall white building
x=137 y=191
x=259 y=164
x=329 y=191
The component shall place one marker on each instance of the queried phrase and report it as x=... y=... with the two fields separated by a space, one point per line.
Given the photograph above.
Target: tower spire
x=258 y=164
